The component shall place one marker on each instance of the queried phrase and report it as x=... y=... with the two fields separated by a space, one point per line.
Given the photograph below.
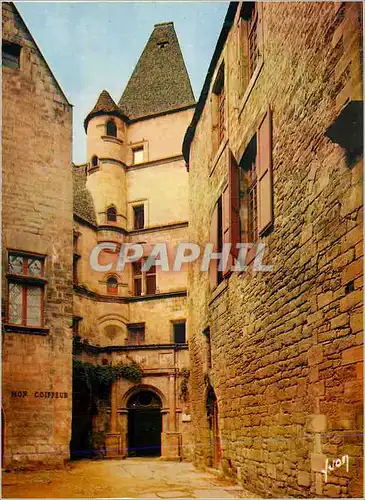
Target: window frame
x=94 y=162
x=138 y=327
x=112 y=291
x=26 y=282
x=137 y=149
x=247 y=79
x=13 y=59
x=143 y=277
x=135 y=208
x=111 y=210
x=174 y=325
x=249 y=195
x=109 y=123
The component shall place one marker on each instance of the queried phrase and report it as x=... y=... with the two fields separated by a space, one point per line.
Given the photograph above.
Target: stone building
x=36 y=253
x=275 y=158
x=133 y=189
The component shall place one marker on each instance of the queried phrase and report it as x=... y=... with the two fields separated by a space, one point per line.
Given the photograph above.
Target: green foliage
x=99 y=378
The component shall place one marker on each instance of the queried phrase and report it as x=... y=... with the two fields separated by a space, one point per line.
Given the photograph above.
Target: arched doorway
x=212 y=414
x=144 y=424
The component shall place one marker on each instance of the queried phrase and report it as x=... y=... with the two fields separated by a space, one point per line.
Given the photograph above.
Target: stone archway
x=144 y=423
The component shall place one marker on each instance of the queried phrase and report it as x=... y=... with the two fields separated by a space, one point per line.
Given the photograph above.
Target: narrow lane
x=131 y=478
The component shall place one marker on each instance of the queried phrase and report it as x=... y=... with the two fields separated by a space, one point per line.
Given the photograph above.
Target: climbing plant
x=184 y=387
x=97 y=377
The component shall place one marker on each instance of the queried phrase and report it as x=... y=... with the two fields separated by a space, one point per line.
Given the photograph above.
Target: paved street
x=134 y=478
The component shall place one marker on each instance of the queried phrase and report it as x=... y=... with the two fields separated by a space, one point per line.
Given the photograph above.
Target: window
x=180 y=332
x=255 y=184
x=250 y=41
x=138 y=155
x=136 y=334
x=137 y=278
x=111 y=214
x=248 y=189
x=94 y=161
x=25 y=289
x=112 y=286
x=144 y=282
x=218 y=112
x=253 y=51
x=151 y=281
x=11 y=55
x=138 y=217
x=111 y=128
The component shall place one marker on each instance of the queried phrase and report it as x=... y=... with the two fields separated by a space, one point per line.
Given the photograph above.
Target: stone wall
x=286 y=345
x=37 y=218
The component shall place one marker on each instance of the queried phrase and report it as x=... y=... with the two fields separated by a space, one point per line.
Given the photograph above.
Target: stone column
x=112 y=441
x=171 y=439
x=123 y=429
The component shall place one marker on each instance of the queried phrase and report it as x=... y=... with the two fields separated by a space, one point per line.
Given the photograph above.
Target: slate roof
x=105 y=105
x=83 y=202
x=160 y=81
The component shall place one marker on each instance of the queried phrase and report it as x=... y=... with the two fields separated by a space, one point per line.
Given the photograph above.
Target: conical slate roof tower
x=160 y=81
x=105 y=105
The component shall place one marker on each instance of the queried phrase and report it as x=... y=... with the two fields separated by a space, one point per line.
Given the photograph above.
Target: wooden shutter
x=230 y=209
x=264 y=174
x=213 y=265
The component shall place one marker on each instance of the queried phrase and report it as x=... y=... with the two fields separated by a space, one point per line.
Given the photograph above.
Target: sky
x=91 y=46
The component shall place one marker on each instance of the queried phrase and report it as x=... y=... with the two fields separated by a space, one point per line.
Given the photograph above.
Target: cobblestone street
x=133 y=478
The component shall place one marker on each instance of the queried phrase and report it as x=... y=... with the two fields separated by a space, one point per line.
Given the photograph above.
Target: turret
x=106 y=154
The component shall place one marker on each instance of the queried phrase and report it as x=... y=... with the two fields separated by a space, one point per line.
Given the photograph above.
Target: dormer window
x=94 y=161
x=163 y=44
x=111 y=214
x=111 y=128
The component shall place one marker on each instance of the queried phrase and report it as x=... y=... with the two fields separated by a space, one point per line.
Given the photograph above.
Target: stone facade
x=37 y=223
x=285 y=352
x=158 y=180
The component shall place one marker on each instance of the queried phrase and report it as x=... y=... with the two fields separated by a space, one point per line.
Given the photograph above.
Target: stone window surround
x=174 y=322
x=107 y=278
x=138 y=145
x=130 y=213
x=27 y=280
x=143 y=276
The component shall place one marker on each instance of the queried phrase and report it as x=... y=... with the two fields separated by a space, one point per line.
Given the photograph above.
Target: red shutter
x=230 y=209
x=264 y=174
x=213 y=265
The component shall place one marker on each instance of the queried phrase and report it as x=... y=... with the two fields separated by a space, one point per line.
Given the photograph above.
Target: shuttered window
x=230 y=209
x=213 y=266
x=264 y=174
